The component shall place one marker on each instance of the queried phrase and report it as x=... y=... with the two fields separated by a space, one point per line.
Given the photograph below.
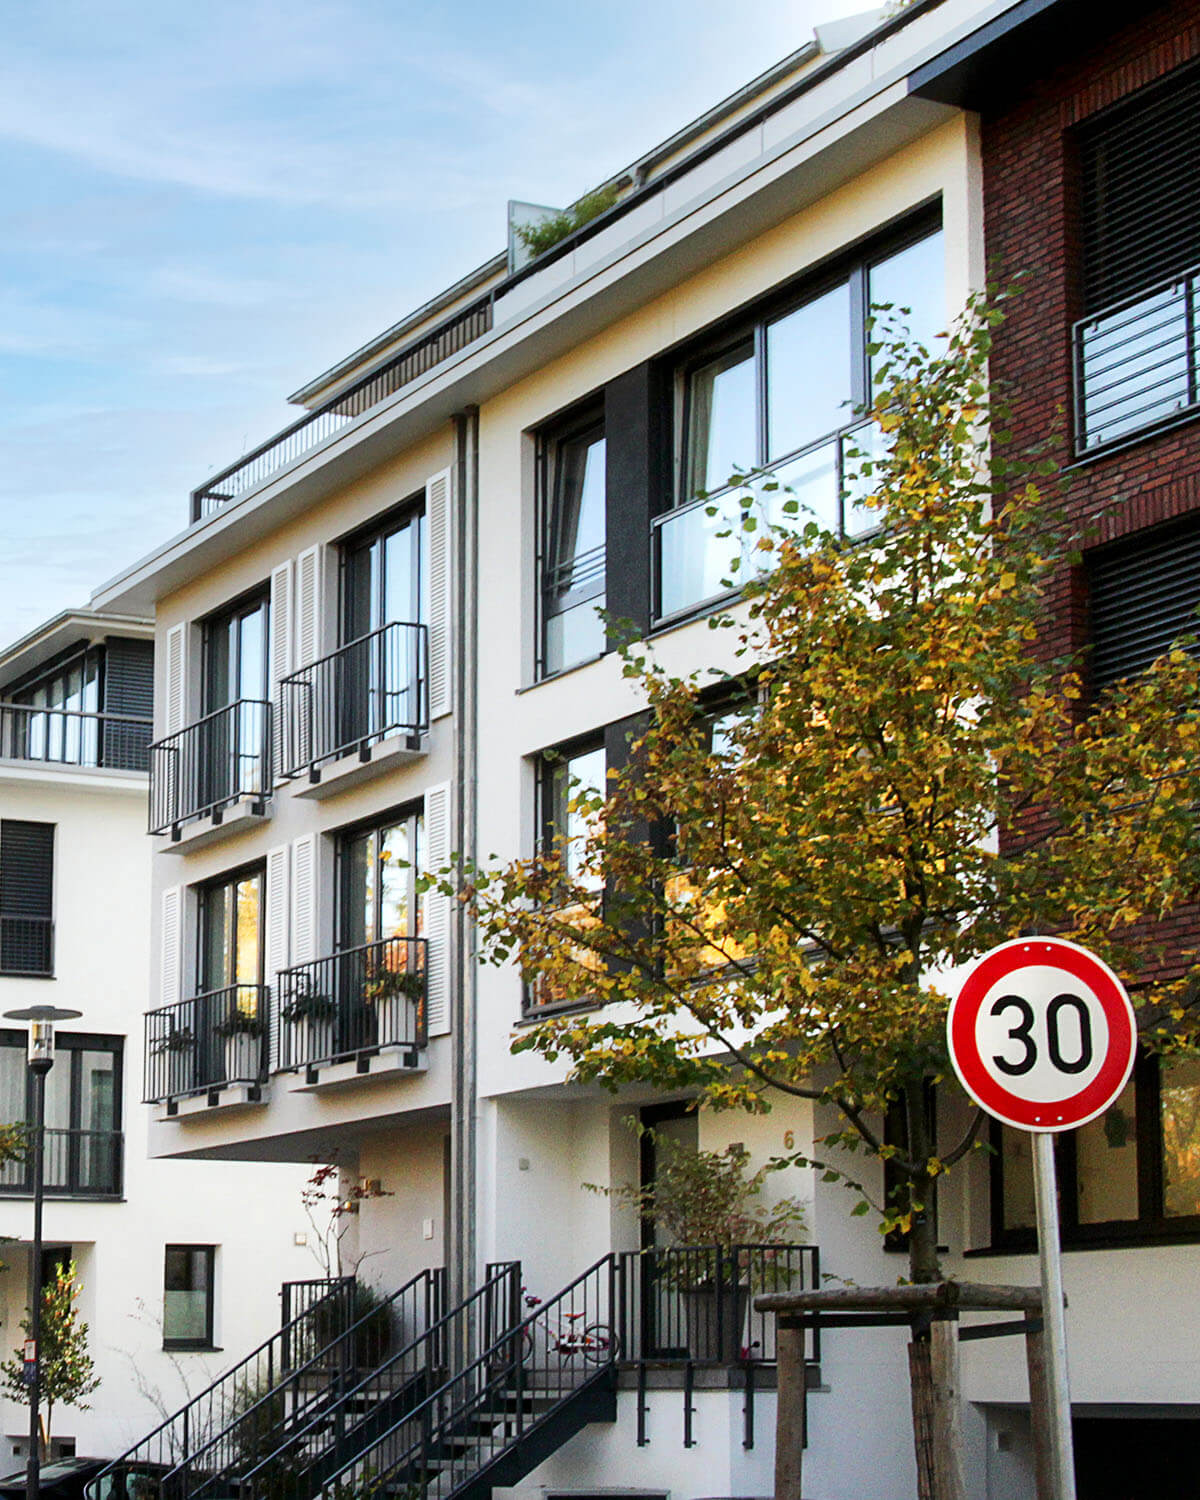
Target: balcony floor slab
x=349 y=770
x=246 y=812
x=231 y=1096
x=387 y=1062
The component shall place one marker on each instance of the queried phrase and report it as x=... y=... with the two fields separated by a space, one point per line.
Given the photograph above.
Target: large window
x=572 y=501
x=233 y=753
x=1131 y=1174
x=377 y=870
x=69 y=732
x=1135 y=348
x=1143 y=595
x=26 y=897
x=782 y=392
x=188 y=1296
x=83 y=1115
x=230 y=930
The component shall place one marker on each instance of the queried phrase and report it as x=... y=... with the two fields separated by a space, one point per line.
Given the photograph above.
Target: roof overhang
x=994 y=63
x=74 y=627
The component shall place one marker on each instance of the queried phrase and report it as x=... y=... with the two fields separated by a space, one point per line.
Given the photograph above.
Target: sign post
x=1042 y=1037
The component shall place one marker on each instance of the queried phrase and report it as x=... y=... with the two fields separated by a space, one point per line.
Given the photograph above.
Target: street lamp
x=39 y=1060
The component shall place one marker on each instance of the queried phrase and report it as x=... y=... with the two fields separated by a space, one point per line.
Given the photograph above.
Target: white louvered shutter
x=175 y=679
x=439 y=520
x=170 y=947
x=306 y=643
x=304 y=899
x=437 y=911
x=277 y=927
x=281 y=661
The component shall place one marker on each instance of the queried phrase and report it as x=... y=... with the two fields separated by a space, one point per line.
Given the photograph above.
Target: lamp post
x=39 y=1061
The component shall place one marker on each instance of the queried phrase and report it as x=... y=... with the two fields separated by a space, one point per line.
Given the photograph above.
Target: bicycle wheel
x=599 y=1344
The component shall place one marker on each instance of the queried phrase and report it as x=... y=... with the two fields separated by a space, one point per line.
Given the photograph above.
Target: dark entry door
x=664 y=1331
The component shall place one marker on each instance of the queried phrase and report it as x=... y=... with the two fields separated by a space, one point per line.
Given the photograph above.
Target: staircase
x=479 y=1400
x=300 y=1371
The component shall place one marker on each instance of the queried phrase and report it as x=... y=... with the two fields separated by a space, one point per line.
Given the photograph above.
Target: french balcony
x=26 y=945
x=363 y=1006
x=358 y=711
x=214 y=1041
x=75 y=1164
x=74 y=737
x=216 y=772
x=1136 y=364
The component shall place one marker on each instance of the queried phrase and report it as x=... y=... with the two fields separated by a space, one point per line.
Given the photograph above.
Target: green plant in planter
x=241 y=1023
x=366 y=1315
x=306 y=1003
x=542 y=236
x=178 y=1039
x=704 y=1203
x=392 y=984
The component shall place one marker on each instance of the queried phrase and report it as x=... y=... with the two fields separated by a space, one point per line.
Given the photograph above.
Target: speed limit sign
x=1042 y=1034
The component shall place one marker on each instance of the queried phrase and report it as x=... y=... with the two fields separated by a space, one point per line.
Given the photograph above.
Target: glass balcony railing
x=1136 y=363
x=703 y=550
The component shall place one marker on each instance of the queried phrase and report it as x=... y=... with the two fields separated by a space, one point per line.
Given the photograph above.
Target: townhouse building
x=379 y=649
x=180 y=1264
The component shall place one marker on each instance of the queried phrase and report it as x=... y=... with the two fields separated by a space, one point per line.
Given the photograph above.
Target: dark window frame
x=1152 y=1225
x=851 y=265
x=70 y=1046
x=244 y=605
x=362 y=539
x=27 y=896
x=210 y=1255
x=586 y=418
x=412 y=813
x=204 y=893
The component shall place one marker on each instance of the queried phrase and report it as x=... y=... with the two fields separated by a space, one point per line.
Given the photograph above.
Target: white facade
x=481 y=1155
x=100 y=967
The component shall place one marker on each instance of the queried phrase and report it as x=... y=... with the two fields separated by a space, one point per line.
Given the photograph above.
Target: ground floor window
x=188 y=1297
x=1133 y=1173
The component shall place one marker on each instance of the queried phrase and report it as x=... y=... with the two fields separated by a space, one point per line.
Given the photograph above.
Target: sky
x=204 y=206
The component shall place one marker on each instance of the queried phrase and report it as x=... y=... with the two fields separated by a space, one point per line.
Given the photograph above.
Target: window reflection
x=1179 y=1103
x=721 y=421
x=573 y=577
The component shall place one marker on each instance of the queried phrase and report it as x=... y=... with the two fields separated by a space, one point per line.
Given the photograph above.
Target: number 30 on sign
x=1042 y=1034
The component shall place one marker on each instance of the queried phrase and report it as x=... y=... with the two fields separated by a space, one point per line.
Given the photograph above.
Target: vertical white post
x=1062 y=1452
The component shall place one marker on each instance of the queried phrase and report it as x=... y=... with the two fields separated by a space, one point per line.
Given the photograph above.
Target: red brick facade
x=1031 y=227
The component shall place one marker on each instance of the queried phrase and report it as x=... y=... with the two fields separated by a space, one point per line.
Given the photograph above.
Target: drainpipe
x=461 y=1249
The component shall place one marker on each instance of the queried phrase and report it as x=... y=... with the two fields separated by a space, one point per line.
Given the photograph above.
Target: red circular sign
x=1042 y=1034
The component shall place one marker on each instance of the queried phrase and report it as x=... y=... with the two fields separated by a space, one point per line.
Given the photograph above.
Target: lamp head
x=41 y=1019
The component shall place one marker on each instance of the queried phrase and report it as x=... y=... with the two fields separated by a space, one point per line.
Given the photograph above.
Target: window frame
x=203 y=894
x=408 y=511
x=72 y=1045
x=411 y=813
x=851 y=266
x=210 y=1256
x=584 y=418
x=1151 y=1226
x=237 y=609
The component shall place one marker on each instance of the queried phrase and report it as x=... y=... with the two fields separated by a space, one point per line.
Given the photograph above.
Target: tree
x=67 y=1368
x=903 y=777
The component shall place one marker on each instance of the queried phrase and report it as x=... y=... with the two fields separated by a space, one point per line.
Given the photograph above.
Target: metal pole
x=33 y=1478
x=1058 y=1394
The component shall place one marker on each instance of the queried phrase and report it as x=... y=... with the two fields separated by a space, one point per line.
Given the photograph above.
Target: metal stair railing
x=180 y=1434
x=507 y=1397
x=307 y=1462
x=308 y=1390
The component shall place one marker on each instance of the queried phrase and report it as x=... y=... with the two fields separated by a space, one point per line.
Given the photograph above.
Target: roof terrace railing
x=310 y=431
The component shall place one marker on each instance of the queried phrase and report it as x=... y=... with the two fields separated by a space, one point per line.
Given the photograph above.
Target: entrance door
x=1136 y=1458
x=664 y=1331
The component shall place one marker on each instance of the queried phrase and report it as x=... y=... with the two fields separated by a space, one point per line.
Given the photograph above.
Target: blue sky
x=205 y=206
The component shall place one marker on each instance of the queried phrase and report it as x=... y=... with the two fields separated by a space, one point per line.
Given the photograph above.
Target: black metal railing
x=696 y=1302
x=310 y=431
x=220 y=759
x=368 y=690
x=352 y=1434
x=351 y=1002
x=170 y=1447
x=26 y=944
x=514 y=1385
x=1136 y=362
x=207 y=1042
x=75 y=1164
x=73 y=737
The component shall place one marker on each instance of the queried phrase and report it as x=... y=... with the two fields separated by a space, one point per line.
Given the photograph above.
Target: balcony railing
x=217 y=761
x=26 y=944
x=702 y=550
x=324 y=421
x=356 y=1001
x=75 y=1164
x=1136 y=363
x=206 y=1043
x=73 y=737
x=370 y=689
